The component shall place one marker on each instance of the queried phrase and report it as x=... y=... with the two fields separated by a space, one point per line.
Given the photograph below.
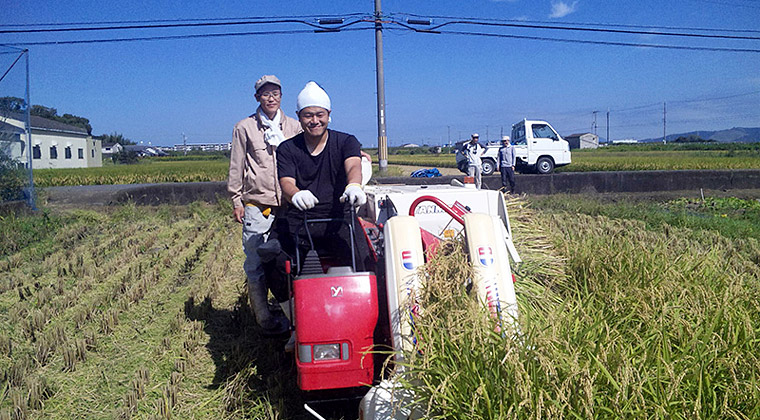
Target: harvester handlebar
x=439 y=203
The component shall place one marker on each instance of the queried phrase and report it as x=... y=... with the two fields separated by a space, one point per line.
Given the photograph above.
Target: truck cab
x=539 y=147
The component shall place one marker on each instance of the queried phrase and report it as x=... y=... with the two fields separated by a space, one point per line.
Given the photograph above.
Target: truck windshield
x=518 y=134
x=543 y=131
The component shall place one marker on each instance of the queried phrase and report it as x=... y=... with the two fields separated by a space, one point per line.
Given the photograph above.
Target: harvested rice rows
x=109 y=321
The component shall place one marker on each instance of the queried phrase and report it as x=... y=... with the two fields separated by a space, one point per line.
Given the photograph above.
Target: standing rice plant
x=646 y=323
x=6 y=345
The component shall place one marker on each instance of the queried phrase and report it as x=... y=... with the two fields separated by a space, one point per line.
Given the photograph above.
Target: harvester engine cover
x=336 y=315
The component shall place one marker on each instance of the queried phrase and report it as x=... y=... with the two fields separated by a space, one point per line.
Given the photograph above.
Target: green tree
x=125 y=157
x=115 y=138
x=76 y=121
x=12 y=103
x=691 y=138
x=44 y=112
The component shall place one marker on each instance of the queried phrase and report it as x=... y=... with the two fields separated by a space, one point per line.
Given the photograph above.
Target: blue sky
x=438 y=86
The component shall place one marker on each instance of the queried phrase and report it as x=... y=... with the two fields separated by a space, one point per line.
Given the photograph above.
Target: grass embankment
x=649 y=320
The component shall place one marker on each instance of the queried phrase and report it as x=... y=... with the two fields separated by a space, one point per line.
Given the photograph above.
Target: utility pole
x=486 y=134
x=448 y=129
x=184 y=143
x=382 y=138
x=28 y=128
x=664 y=123
x=594 y=126
x=608 y=126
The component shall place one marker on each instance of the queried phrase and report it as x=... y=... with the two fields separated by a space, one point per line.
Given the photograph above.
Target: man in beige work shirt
x=255 y=190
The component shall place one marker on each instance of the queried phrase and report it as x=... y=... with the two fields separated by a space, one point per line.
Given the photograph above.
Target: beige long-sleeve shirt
x=253 y=162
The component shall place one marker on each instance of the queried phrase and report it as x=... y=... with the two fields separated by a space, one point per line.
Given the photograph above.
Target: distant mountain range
x=732 y=135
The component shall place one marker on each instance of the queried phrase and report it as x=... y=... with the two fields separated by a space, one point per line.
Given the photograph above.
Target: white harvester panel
x=430 y=216
x=492 y=276
x=403 y=256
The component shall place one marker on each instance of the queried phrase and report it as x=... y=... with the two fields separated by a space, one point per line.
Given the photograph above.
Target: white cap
x=312 y=95
x=504 y=138
x=475 y=135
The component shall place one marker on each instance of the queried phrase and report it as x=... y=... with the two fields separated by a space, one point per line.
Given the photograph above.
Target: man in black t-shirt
x=320 y=175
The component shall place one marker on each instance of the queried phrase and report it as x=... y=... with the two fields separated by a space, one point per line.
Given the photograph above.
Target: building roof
x=8 y=128
x=48 y=125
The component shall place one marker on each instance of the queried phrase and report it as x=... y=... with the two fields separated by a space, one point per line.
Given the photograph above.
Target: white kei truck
x=538 y=147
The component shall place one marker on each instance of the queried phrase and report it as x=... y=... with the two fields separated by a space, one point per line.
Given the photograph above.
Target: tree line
x=14 y=104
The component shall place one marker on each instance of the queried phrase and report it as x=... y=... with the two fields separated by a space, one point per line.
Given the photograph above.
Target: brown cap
x=269 y=78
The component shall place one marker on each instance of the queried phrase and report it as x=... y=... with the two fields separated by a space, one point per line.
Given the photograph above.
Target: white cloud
x=562 y=9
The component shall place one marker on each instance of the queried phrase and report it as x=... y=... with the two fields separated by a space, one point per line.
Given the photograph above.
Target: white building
x=112 y=148
x=583 y=141
x=206 y=147
x=54 y=144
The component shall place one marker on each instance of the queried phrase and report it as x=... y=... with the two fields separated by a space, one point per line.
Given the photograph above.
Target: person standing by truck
x=472 y=152
x=255 y=191
x=507 y=160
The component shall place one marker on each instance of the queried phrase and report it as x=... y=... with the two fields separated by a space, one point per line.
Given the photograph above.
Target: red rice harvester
x=343 y=318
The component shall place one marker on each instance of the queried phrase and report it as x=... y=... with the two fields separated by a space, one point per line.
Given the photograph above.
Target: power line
x=576 y=28
x=611 y=43
x=717 y=98
x=185 y=23
x=614 y=25
x=172 y=37
x=119 y=22
x=178 y=25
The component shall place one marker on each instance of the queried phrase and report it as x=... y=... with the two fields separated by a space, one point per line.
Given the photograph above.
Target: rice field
x=612 y=159
x=628 y=310
x=145 y=172
x=626 y=158
x=626 y=316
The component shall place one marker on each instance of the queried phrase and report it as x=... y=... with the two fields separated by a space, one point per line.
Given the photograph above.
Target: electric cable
x=120 y=22
x=610 y=43
x=174 y=37
x=575 y=28
x=179 y=25
x=681 y=28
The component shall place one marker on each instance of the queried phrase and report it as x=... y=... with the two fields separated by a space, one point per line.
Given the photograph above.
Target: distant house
x=206 y=147
x=54 y=144
x=410 y=145
x=583 y=141
x=112 y=148
x=143 y=151
x=625 y=141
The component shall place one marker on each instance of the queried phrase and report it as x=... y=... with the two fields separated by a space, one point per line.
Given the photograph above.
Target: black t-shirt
x=324 y=175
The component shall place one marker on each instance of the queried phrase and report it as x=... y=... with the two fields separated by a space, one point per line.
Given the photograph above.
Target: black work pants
x=507 y=176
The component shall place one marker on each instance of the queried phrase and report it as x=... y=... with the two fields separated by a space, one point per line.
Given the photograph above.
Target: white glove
x=354 y=195
x=304 y=200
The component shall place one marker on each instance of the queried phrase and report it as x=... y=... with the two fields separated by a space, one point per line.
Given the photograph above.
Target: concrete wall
x=571 y=183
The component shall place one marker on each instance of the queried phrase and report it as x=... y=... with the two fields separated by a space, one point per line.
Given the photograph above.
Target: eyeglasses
x=270 y=95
